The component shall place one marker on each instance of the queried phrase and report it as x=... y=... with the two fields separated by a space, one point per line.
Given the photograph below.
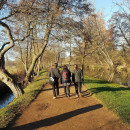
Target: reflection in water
x=111 y=75
x=6 y=99
x=128 y=83
x=122 y=77
x=129 y=80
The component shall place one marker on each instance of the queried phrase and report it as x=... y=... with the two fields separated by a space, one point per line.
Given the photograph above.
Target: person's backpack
x=65 y=76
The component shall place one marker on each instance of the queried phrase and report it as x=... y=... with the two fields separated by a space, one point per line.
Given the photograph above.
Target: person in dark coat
x=55 y=74
x=77 y=78
x=65 y=80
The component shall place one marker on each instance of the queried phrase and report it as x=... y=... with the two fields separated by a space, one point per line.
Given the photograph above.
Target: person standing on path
x=55 y=74
x=65 y=80
x=77 y=78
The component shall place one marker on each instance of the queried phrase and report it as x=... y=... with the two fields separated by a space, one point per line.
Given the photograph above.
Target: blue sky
x=106 y=6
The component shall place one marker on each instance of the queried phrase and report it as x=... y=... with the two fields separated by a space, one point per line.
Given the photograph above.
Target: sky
x=107 y=6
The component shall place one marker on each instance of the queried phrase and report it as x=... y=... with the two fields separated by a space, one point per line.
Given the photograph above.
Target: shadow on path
x=87 y=81
x=56 y=119
x=41 y=79
x=86 y=93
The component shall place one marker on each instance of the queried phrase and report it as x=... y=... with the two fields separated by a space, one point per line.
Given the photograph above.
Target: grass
x=12 y=110
x=113 y=96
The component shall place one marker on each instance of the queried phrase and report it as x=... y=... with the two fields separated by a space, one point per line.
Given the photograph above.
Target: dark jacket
x=77 y=75
x=55 y=73
x=65 y=76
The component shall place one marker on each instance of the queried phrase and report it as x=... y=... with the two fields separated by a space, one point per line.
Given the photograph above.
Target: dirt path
x=85 y=113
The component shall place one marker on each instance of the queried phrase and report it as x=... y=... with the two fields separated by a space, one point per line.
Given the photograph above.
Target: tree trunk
x=15 y=88
x=70 y=53
x=58 y=58
x=83 y=65
x=35 y=58
x=4 y=75
x=50 y=21
x=109 y=61
x=6 y=78
x=39 y=65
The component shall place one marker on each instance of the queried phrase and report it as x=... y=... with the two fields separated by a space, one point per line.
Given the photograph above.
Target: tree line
x=41 y=32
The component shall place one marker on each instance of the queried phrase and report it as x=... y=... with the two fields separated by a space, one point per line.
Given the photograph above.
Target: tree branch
x=7 y=16
x=90 y=52
x=2 y=2
x=124 y=36
x=16 y=40
x=11 y=44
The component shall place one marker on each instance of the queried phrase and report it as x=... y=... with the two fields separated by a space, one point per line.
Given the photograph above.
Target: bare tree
x=120 y=22
x=48 y=14
x=5 y=77
x=53 y=11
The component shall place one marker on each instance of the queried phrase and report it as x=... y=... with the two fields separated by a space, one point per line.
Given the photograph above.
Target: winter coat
x=55 y=73
x=77 y=75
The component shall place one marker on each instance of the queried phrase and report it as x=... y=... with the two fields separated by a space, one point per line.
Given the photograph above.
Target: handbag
x=51 y=80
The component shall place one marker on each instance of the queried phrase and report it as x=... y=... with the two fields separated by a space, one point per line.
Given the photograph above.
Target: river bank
x=113 y=76
x=13 y=109
x=113 y=96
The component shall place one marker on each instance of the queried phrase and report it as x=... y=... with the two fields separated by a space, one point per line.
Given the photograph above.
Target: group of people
x=65 y=79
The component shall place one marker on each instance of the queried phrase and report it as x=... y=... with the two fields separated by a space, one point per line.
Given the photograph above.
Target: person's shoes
x=68 y=96
x=77 y=95
x=54 y=97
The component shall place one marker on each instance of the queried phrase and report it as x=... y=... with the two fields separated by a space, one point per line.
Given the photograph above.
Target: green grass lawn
x=113 y=96
x=12 y=110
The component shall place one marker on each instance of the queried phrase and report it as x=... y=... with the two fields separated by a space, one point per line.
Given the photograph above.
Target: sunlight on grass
x=114 y=96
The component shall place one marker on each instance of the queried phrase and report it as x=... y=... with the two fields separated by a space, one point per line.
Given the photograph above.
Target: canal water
x=6 y=99
x=122 y=77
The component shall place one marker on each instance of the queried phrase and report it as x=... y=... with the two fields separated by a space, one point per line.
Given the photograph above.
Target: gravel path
x=85 y=113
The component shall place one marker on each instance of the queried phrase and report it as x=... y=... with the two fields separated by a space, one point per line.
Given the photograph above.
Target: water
x=122 y=78
x=6 y=99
